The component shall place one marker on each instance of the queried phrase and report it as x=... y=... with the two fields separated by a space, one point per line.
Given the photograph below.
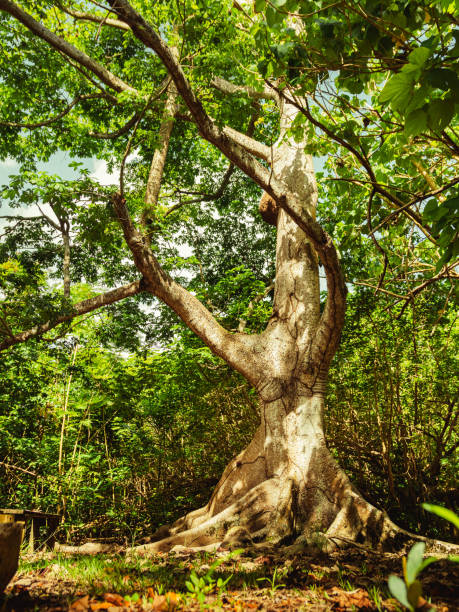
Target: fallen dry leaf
x=165 y=603
x=114 y=598
x=346 y=599
x=80 y=605
x=101 y=605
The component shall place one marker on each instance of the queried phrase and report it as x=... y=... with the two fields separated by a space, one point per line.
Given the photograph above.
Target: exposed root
x=253 y=511
x=316 y=508
x=358 y=522
x=268 y=512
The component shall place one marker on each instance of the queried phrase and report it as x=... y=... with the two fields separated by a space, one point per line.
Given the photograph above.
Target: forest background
x=124 y=420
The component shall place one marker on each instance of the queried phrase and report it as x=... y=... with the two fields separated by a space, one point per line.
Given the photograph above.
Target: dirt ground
x=186 y=580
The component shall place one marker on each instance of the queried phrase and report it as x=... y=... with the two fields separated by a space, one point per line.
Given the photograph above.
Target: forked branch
x=235 y=349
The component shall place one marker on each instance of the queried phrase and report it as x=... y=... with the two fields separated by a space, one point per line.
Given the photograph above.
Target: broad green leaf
x=273 y=17
x=416 y=122
x=397 y=91
x=444 y=513
x=440 y=114
x=437 y=213
x=398 y=589
x=419 y=56
x=443 y=78
x=418 y=98
x=414 y=562
x=427 y=562
x=452 y=204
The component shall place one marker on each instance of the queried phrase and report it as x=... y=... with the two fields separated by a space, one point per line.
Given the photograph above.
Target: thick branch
x=230 y=89
x=389 y=197
x=155 y=174
x=66 y=258
x=251 y=145
x=103 y=299
x=235 y=349
x=63 y=46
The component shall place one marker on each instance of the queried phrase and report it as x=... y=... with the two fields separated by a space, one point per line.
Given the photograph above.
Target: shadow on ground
x=345 y=580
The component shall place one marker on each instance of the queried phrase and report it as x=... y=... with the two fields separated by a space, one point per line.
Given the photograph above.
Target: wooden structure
x=36 y=520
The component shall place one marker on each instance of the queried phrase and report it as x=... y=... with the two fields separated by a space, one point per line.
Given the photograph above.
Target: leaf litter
x=339 y=582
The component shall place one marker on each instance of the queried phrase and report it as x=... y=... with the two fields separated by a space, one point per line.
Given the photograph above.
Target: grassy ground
x=347 y=580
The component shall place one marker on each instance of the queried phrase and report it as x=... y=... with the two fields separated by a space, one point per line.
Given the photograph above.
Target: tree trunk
x=286 y=483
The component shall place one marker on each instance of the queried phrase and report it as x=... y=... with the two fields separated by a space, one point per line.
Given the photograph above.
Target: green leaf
x=414 y=561
x=437 y=213
x=440 y=113
x=398 y=589
x=260 y=6
x=442 y=78
x=397 y=91
x=445 y=513
x=419 y=56
x=427 y=562
x=414 y=593
x=452 y=204
x=273 y=17
x=416 y=122
x=417 y=99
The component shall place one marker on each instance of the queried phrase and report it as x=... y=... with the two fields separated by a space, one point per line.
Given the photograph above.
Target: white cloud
x=9 y=163
x=102 y=174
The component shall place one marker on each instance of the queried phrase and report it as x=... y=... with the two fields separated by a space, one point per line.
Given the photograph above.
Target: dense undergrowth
x=121 y=443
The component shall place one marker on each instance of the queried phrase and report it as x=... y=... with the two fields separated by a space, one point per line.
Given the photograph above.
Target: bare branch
x=236 y=349
x=230 y=89
x=98 y=301
x=64 y=47
x=204 y=197
x=114 y=23
x=9 y=466
x=251 y=145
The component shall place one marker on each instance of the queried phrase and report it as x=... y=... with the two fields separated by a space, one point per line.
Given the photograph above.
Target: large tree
x=266 y=85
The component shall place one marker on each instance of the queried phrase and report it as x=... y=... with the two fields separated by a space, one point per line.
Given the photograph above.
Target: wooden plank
x=29 y=513
x=13 y=512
